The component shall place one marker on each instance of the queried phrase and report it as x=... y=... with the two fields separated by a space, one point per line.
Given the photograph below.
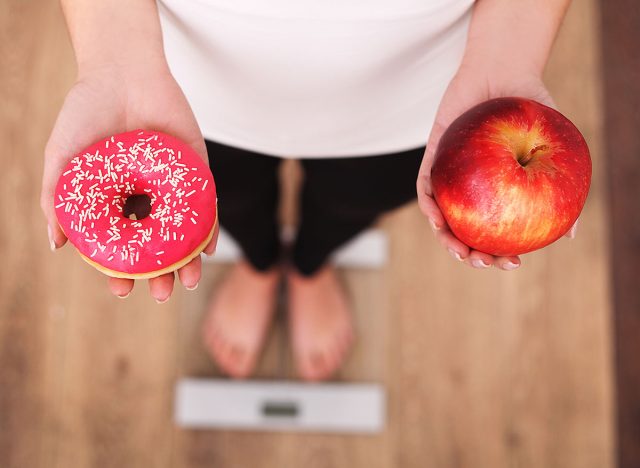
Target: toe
x=238 y=361
x=307 y=365
x=320 y=364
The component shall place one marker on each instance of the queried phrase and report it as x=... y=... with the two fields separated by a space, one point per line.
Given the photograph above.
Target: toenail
x=192 y=288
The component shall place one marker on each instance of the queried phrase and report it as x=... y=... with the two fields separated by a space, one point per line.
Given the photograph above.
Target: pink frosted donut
x=137 y=204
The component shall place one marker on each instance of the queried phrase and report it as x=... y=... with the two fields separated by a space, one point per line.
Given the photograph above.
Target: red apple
x=510 y=176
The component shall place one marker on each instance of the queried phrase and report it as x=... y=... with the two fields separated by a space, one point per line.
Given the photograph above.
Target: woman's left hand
x=470 y=87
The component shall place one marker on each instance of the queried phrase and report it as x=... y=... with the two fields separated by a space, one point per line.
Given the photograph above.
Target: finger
x=423 y=184
x=210 y=249
x=454 y=246
x=53 y=166
x=571 y=233
x=545 y=98
x=439 y=126
x=479 y=259
x=121 y=287
x=507 y=263
x=67 y=138
x=190 y=273
x=161 y=287
x=429 y=207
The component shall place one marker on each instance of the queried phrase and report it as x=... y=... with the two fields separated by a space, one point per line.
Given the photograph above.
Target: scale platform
x=280 y=406
x=367 y=250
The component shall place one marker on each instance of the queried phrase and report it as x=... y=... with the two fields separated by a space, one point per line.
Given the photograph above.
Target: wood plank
x=87 y=378
x=621 y=80
x=28 y=315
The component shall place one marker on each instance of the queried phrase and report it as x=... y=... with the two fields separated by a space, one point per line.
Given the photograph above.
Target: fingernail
x=433 y=225
x=125 y=296
x=52 y=244
x=510 y=266
x=162 y=301
x=479 y=263
x=455 y=254
x=574 y=229
x=192 y=288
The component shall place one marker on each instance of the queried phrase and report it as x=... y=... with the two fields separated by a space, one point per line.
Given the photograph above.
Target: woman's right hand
x=111 y=99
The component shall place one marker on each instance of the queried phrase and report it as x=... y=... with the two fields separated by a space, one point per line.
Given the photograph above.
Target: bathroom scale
x=280 y=406
x=369 y=249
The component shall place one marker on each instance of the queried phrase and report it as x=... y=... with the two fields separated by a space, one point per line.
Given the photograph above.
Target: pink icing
x=93 y=187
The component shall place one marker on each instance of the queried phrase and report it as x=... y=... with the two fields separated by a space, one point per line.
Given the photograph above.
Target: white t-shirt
x=315 y=78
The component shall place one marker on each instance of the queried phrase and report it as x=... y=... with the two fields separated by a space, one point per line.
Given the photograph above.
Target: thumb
x=571 y=233
x=426 y=201
x=52 y=169
x=429 y=154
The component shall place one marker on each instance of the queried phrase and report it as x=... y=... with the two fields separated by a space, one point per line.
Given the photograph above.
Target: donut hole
x=137 y=206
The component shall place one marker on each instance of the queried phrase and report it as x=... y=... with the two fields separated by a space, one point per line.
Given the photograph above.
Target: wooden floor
x=621 y=85
x=483 y=368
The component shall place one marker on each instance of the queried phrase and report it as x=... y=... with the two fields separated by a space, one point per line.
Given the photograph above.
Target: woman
x=351 y=88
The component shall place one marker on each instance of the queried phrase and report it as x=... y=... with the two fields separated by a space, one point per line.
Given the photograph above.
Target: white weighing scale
x=288 y=406
x=280 y=406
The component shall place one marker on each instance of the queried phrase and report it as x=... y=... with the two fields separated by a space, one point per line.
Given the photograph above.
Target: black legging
x=340 y=198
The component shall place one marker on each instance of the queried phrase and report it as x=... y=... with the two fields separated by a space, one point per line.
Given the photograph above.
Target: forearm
x=513 y=34
x=114 y=33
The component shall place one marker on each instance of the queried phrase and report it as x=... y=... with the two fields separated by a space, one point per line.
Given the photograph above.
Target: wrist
x=106 y=35
x=512 y=38
x=499 y=67
x=126 y=66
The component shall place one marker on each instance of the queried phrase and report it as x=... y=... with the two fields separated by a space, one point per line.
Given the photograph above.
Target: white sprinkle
x=160 y=253
x=193 y=220
x=159 y=262
x=190 y=193
x=205 y=184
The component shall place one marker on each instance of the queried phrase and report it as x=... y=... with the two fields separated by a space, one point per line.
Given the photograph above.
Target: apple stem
x=526 y=159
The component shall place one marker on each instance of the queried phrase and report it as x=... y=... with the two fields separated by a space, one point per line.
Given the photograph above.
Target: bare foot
x=319 y=323
x=240 y=313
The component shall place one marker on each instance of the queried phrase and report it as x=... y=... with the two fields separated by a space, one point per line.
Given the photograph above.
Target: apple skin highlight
x=511 y=176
